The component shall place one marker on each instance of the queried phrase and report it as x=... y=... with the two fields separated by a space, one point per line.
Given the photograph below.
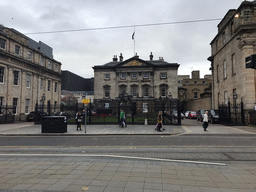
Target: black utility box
x=54 y=124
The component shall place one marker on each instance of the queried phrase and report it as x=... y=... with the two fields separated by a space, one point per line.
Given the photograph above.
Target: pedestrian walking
x=159 y=121
x=122 y=116
x=205 y=121
x=79 y=119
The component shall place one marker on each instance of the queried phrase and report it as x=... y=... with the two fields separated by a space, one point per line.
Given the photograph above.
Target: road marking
x=117 y=156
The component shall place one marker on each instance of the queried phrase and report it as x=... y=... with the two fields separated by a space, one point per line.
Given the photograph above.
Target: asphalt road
x=185 y=147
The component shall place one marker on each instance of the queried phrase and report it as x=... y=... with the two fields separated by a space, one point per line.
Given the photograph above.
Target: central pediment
x=134 y=63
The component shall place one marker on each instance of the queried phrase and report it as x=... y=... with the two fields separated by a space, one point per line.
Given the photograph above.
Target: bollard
x=146 y=122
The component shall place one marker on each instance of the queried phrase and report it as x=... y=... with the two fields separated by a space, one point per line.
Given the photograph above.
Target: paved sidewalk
x=29 y=128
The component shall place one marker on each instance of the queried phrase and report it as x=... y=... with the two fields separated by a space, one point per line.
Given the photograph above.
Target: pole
x=85 y=115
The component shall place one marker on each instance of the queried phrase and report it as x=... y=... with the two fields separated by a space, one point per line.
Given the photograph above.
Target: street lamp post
x=43 y=99
x=235 y=98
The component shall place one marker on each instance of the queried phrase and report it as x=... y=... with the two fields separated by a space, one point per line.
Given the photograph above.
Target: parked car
x=200 y=114
x=186 y=114
x=32 y=115
x=192 y=115
x=213 y=116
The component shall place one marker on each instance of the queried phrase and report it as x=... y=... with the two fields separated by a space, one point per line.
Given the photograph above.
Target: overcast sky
x=186 y=43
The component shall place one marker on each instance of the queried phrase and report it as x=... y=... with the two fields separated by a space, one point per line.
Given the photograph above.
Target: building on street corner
x=28 y=73
x=235 y=40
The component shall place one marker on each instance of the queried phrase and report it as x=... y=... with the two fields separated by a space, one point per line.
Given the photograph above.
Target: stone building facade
x=235 y=40
x=195 y=92
x=28 y=72
x=144 y=80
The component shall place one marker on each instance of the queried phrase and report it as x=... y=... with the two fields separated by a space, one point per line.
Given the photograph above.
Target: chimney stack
x=115 y=58
x=161 y=58
x=121 y=57
x=151 y=56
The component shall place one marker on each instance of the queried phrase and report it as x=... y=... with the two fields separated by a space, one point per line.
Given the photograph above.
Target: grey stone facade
x=26 y=72
x=235 y=40
x=145 y=80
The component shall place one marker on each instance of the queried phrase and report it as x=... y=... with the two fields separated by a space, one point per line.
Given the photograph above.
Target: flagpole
x=134 y=40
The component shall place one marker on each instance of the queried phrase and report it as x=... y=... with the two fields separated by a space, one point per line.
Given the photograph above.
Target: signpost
x=85 y=101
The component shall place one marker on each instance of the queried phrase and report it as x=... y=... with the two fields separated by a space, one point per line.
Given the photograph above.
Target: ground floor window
x=27 y=106
x=14 y=103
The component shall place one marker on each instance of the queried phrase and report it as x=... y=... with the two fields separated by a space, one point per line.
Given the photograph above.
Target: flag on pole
x=133 y=35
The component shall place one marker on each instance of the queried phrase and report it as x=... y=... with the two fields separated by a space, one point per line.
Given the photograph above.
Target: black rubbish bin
x=54 y=124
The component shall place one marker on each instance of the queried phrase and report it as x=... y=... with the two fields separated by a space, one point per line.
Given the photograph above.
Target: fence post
x=49 y=107
x=229 y=113
x=242 y=112
x=163 y=110
x=118 y=111
x=178 y=112
x=90 y=112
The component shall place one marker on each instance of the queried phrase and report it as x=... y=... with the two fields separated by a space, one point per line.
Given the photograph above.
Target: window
x=1 y=74
x=180 y=81
x=122 y=89
x=1 y=102
x=55 y=106
x=134 y=91
x=55 y=67
x=145 y=75
x=187 y=82
x=225 y=97
x=27 y=106
x=123 y=75
x=145 y=91
x=49 y=85
x=234 y=93
x=163 y=91
x=203 y=82
x=224 y=37
x=231 y=28
x=217 y=71
x=17 y=49
x=15 y=77
x=2 y=43
x=224 y=69
x=233 y=60
x=28 y=80
x=49 y=65
x=195 y=95
x=107 y=90
x=14 y=103
x=217 y=44
x=41 y=84
x=56 y=86
x=29 y=55
x=163 y=76
x=195 y=82
x=134 y=75
x=42 y=61
x=107 y=76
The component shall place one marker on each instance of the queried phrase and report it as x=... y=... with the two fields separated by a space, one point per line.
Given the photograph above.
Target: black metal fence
x=137 y=112
x=232 y=114
x=7 y=114
x=108 y=112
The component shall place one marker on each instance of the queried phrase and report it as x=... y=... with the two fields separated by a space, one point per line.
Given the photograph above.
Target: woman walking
x=205 y=120
x=79 y=120
x=159 y=121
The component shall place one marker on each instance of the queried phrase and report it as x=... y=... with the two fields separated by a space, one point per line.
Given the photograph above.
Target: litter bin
x=54 y=124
